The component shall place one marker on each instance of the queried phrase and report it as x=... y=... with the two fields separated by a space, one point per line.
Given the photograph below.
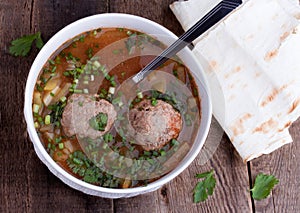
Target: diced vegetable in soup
x=76 y=105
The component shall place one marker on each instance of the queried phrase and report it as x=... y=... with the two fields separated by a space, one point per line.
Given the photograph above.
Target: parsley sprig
x=205 y=187
x=22 y=46
x=263 y=186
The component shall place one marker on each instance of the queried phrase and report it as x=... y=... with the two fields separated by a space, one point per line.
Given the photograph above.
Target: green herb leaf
x=263 y=186
x=205 y=187
x=57 y=110
x=99 y=121
x=22 y=46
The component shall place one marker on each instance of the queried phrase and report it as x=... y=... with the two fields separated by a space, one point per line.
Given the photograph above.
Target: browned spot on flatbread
x=270 y=55
x=235 y=70
x=294 y=105
x=257 y=74
x=284 y=36
x=288 y=124
x=266 y=126
x=213 y=64
x=238 y=126
x=251 y=36
x=272 y=96
x=231 y=97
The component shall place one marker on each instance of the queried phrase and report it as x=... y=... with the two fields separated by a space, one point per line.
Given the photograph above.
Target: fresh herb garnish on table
x=22 y=46
x=205 y=187
x=263 y=186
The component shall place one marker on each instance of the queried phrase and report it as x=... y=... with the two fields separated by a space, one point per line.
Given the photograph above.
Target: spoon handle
x=209 y=20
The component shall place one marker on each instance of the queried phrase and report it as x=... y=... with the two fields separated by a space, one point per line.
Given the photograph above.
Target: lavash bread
x=251 y=62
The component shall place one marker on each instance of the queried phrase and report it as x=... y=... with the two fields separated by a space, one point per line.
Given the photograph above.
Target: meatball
x=154 y=126
x=78 y=112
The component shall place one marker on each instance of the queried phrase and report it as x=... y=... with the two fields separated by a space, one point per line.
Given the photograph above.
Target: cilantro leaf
x=22 y=46
x=263 y=186
x=205 y=187
x=99 y=122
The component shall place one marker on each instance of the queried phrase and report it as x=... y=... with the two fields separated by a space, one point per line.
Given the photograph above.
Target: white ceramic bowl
x=131 y=22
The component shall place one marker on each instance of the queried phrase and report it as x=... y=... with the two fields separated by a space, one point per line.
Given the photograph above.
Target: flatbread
x=251 y=62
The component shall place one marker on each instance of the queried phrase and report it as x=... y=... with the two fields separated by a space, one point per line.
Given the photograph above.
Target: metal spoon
x=209 y=20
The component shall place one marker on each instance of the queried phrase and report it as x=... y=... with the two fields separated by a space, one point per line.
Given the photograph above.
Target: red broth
x=57 y=81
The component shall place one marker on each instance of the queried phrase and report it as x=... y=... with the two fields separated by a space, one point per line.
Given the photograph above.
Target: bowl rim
x=59 y=171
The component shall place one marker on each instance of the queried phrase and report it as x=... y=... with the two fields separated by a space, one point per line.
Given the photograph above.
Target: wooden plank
x=155 y=10
x=26 y=184
x=285 y=165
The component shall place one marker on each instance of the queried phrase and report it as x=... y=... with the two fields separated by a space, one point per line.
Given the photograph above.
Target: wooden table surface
x=28 y=186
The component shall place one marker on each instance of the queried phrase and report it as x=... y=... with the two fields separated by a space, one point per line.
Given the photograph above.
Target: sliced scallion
x=92 y=77
x=36 y=125
x=61 y=145
x=140 y=95
x=111 y=90
x=47 y=119
x=36 y=108
x=63 y=99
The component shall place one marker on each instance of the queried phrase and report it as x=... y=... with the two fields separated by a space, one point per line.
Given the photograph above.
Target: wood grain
x=26 y=185
x=284 y=164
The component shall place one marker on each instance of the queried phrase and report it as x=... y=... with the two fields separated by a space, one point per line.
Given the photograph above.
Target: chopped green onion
x=58 y=140
x=116 y=51
x=113 y=83
x=154 y=102
x=76 y=81
x=163 y=152
x=39 y=88
x=86 y=82
x=140 y=95
x=81 y=39
x=61 y=145
x=96 y=64
x=123 y=74
x=92 y=77
x=111 y=90
x=51 y=62
x=36 y=108
x=80 y=103
x=47 y=119
x=108 y=137
x=66 y=73
x=89 y=52
x=129 y=32
x=77 y=90
x=95 y=32
x=85 y=91
x=174 y=142
x=53 y=69
x=175 y=73
x=36 y=125
x=77 y=161
x=63 y=99
x=99 y=121
x=52 y=94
